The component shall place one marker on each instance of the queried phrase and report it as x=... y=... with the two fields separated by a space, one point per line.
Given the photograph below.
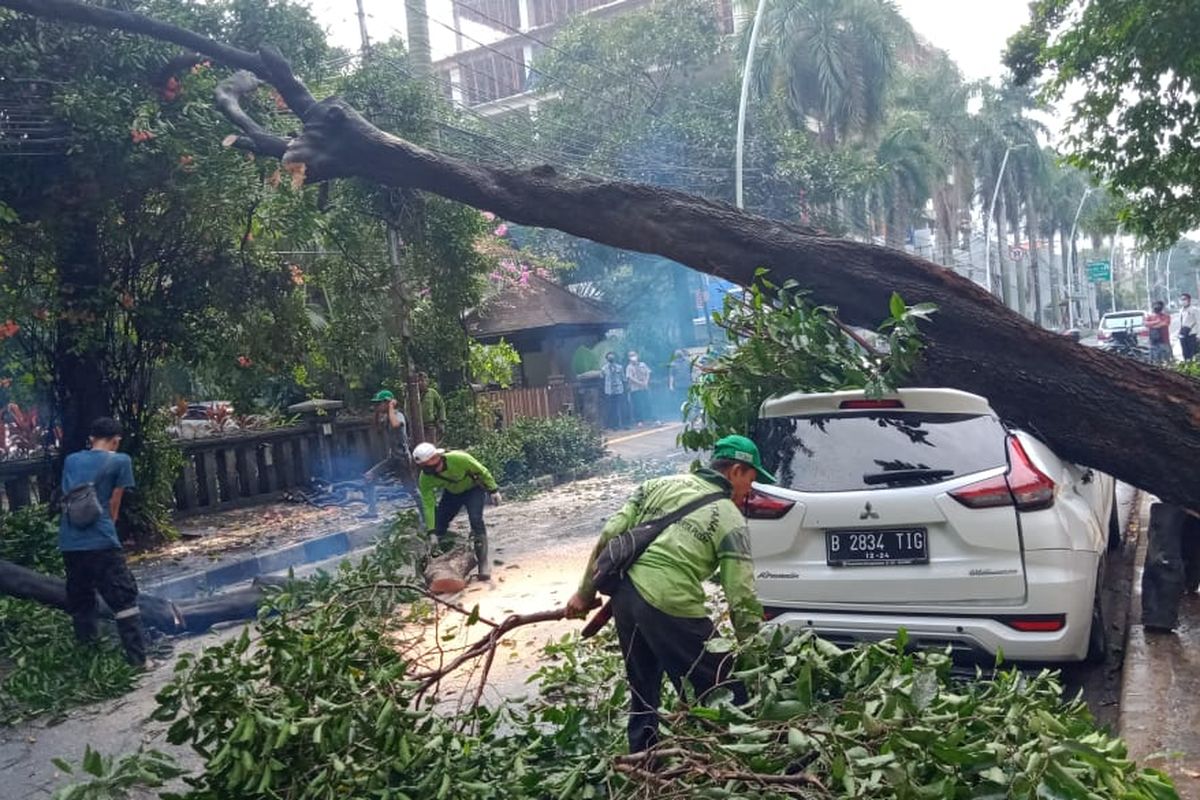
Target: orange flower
x=9 y=329
x=297 y=274
x=244 y=362
x=138 y=135
x=186 y=161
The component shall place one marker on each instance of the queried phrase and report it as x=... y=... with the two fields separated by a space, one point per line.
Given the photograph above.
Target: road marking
x=645 y=433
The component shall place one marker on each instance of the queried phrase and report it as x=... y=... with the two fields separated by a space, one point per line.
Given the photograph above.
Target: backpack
x=81 y=505
x=622 y=551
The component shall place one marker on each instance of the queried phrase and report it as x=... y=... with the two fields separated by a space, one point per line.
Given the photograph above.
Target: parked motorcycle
x=1125 y=343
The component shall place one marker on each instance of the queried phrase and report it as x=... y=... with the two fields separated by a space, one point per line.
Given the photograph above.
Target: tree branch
x=257 y=139
x=267 y=63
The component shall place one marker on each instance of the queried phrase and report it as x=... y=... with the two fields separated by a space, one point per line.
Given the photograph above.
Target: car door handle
x=1088 y=476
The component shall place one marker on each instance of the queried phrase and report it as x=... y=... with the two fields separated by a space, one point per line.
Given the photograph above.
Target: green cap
x=382 y=395
x=739 y=448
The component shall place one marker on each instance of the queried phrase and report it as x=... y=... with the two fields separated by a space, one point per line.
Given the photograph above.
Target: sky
x=974 y=32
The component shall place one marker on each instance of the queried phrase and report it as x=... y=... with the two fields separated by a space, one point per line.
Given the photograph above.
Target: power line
x=542 y=43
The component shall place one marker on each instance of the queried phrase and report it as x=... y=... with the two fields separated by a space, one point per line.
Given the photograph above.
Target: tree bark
x=448 y=573
x=1135 y=421
x=1035 y=285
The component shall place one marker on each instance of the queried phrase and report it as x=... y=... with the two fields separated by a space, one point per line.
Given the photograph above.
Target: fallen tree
x=1134 y=421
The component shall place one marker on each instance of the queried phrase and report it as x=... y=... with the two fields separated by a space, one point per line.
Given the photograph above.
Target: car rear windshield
x=852 y=451
x=1123 y=321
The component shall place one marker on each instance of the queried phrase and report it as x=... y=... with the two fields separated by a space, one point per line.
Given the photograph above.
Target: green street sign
x=1098 y=271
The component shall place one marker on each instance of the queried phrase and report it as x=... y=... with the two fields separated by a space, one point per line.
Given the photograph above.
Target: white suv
x=923 y=511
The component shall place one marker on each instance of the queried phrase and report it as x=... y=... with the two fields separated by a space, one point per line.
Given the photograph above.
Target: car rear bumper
x=1061 y=585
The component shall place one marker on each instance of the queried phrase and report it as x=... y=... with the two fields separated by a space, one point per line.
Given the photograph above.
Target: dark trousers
x=1188 y=343
x=639 y=405
x=104 y=571
x=654 y=643
x=448 y=508
x=614 y=410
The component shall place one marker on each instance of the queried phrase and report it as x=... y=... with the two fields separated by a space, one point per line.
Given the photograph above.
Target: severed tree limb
x=255 y=137
x=1132 y=420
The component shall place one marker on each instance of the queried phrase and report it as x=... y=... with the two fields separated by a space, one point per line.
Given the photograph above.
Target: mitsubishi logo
x=868 y=512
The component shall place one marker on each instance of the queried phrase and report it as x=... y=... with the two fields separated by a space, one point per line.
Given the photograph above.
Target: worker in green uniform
x=659 y=609
x=464 y=483
x=433 y=409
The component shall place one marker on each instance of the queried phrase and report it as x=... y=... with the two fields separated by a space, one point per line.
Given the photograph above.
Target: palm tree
x=830 y=61
x=1003 y=125
x=908 y=168
x=937 y=92
x=1065 y=191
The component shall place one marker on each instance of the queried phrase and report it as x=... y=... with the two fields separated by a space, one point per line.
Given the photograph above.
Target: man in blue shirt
x=92 y=554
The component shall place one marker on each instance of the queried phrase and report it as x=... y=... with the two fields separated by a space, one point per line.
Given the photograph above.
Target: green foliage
x=42 y=669
x=106 y=778
x=146 y=511
x=493 y=364
x=468 y=418
x=1132 y=68
x=29 y=537
x=532 y=447
x=325 y=705
x=777 y=342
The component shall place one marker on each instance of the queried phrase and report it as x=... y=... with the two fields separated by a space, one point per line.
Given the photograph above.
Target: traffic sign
x=1098 y=271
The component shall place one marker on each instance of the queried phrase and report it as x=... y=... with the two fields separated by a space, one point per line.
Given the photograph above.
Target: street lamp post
x=1074 y=266
x=987 y=239
x=741 y=123
x=1112 y=267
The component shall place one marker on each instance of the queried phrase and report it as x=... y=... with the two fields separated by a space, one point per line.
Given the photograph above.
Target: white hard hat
x=425 y=452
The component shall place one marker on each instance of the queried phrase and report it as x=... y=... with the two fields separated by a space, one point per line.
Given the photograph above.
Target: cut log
x=450 y=572
x=1135 y=421
x=165 y=616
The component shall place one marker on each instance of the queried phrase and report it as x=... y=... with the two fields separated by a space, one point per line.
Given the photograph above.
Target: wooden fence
x=239 y=469
x=537 y=401
x=245 y=469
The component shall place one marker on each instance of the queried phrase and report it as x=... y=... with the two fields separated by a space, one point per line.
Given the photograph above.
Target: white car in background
x=923 y=511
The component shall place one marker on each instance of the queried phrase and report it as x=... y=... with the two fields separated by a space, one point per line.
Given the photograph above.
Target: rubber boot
x=133 y=639
x=480 y=542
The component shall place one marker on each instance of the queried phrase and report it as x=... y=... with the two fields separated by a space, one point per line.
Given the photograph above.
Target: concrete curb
x=320 y=549
x=281 y=559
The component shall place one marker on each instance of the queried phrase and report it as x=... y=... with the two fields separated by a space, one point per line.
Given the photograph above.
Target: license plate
x=877 y=547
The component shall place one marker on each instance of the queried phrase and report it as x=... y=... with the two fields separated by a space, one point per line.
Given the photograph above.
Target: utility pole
x=362 y=30
x=1112 y=265
x=412 y=399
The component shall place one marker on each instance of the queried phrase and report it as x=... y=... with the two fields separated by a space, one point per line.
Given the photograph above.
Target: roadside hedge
x=532 y=447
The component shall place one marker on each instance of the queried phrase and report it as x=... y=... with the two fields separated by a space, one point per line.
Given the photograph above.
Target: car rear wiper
x=905 y=475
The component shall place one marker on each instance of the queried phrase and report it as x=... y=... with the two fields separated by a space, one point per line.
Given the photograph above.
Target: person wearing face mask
x=1189 y=327
x=659 y=608
x=614 y=392
x=465 y=483
x=637 y=379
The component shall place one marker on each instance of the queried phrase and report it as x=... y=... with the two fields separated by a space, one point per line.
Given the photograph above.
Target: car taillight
x=1032 y=489
x=763 y=506
x=1024 y=485
x=858 y=405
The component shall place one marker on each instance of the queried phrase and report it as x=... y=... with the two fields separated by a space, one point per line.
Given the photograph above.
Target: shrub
x=531 y=447
x=43 y=670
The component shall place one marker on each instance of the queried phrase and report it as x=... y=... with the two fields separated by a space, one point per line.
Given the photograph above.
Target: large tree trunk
x=79 y=380
x=1137 y=422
